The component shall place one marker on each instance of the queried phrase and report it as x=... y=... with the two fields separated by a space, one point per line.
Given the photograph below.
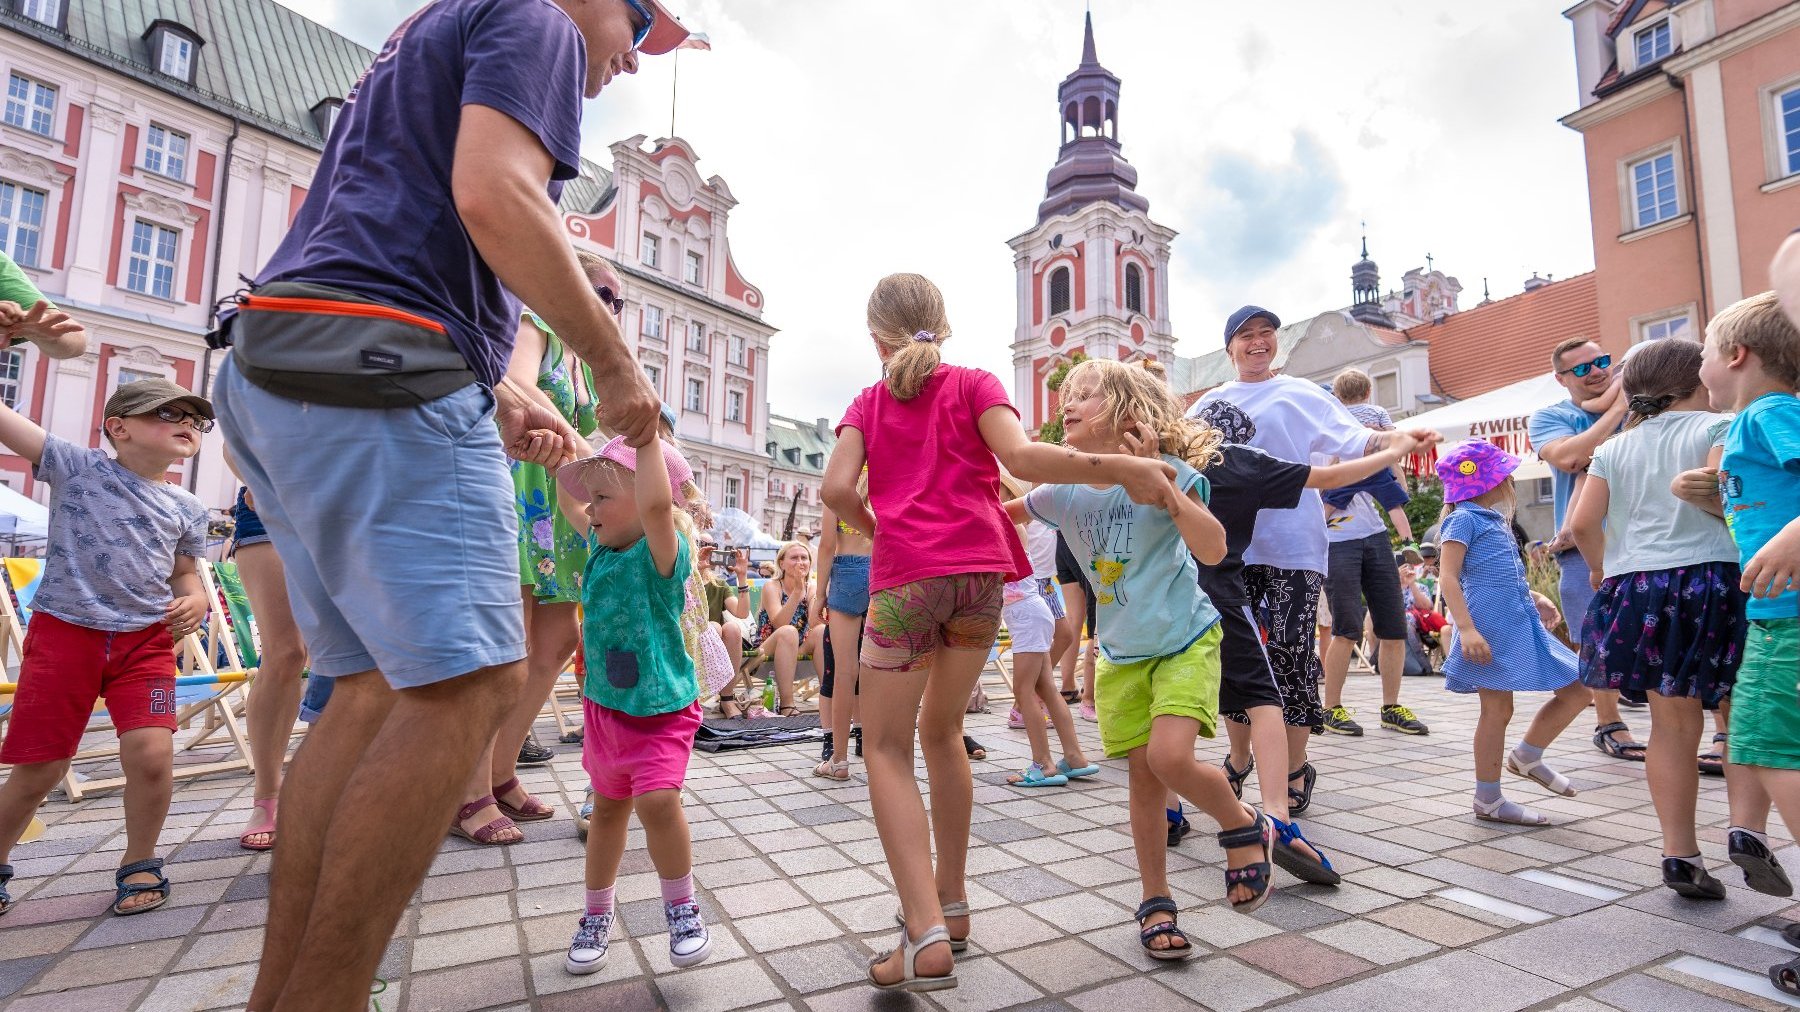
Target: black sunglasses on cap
x=1603 y=362
x=612 y=302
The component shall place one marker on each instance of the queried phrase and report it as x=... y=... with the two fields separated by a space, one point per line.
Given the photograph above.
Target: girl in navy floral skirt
x=1667 y=622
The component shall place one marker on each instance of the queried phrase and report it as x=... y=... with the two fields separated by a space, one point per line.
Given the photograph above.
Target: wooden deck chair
x=20 y=579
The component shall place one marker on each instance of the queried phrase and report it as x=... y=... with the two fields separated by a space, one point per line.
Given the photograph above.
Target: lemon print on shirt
x=1109 y=571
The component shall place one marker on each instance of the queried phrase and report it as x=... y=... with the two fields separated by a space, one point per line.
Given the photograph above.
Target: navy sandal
x=1298 y=863
x=1178 y=946
x=1259 y=875
x=1236 y=777
x=129 y=889
x=6 y=900
x=1712 y=762
x=1300 y=800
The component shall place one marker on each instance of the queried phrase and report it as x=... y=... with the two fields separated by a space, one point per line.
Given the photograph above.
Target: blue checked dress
x=1526 y=657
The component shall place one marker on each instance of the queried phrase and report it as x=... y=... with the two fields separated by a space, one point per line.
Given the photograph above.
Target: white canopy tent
x=1501 y=417
x=21 y=519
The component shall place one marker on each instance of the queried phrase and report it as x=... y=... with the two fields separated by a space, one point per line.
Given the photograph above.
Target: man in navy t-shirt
x=434 y=201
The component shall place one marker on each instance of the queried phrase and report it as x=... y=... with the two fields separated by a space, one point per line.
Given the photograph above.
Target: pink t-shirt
x=934 y=485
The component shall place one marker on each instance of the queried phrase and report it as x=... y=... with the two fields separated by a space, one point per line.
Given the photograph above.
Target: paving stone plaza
x=1437 y=911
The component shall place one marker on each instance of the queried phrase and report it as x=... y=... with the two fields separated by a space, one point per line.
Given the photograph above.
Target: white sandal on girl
x=909 y=977
x=1520 y=816
x=1540 y=774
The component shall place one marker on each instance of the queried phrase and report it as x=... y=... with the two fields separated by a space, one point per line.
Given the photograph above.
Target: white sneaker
x=689 y=942
x=587 y=951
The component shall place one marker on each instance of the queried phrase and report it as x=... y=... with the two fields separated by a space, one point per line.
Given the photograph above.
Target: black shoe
x=825 y=748
x=1337 y=721
x=1301 y=799
x=1691 y=880
x=1179 y=829
x=533 y=754
x=1401 y=719
x=1761 y=871
x=856 y=739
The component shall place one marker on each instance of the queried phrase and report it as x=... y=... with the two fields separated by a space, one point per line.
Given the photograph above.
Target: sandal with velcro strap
x=1300 y=800
x=1298 y=863
x=1630 y=751
x=1258 y=876
x=1178 y=946
x=127 y=890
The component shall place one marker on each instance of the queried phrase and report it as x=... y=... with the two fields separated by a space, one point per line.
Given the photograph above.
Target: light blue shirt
x=1760 y=480
x=1560 y=421
x=1146 y=584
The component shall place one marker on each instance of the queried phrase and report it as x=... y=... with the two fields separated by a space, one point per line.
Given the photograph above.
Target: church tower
x=1093 y=273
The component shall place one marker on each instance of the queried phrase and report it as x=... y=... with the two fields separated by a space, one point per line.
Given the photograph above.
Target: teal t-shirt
x=1146 y=583
x=637 y=662
x=1760 y=480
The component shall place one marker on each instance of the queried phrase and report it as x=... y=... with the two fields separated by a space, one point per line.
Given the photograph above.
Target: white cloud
x=865 y=138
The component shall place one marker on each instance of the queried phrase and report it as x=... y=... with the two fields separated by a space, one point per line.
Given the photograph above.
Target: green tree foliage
x=1052 y=430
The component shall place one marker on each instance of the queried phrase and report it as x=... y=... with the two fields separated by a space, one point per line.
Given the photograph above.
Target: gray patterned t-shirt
x=113 y=540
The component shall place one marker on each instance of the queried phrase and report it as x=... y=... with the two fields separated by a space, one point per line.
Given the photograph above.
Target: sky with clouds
x=863 y=138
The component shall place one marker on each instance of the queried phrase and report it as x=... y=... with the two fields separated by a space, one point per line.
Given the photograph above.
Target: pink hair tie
x=925 y=337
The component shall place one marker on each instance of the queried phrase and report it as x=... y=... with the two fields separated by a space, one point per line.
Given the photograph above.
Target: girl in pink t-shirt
x=930 y=434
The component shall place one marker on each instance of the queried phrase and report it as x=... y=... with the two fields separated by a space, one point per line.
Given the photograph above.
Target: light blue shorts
x=396 y=528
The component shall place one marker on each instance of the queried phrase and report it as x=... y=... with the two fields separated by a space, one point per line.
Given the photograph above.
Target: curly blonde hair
x=1136 y=395
x=907 y=318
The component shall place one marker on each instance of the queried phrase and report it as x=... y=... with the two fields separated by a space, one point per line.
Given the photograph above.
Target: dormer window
x=174 y=49
x=1652 y=43
x=50 y=13
x=325 y=115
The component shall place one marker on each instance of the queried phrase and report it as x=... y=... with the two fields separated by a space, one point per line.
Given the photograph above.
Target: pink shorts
x=627 y=756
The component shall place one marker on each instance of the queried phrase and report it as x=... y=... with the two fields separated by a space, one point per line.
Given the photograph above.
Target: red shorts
x=68 y=667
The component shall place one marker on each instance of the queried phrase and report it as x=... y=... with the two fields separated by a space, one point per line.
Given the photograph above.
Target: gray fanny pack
x=317 y=344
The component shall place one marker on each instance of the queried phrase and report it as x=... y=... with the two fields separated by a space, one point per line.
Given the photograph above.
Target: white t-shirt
x=1356 y=521
x=1293 y=419
x=1040 y=547
x=1647 y=528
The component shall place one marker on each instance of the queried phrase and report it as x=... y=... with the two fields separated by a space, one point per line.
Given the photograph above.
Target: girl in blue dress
x=1499 y=646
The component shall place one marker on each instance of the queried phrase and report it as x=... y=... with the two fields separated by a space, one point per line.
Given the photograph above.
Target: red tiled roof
x=1489 y=346
x=1618 y=19
x=1394 y=338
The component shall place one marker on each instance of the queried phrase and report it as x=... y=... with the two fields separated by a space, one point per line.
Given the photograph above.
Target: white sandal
x=1540 y=774
x=909 y=977
x=1491 y=813
x=955 y=908
x=828 y=770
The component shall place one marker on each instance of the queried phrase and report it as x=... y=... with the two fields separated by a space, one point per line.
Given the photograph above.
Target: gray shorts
x=395 y=526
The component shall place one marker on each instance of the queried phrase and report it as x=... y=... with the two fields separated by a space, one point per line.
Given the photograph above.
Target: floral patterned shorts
x=908 y=623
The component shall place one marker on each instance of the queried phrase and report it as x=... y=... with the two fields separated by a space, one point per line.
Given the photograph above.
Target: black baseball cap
x=1245 y=315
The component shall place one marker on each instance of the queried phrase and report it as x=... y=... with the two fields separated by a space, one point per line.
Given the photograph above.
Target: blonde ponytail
x=907 y=319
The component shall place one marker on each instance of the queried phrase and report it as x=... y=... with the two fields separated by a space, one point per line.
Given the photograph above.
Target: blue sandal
x=1076 y=772
x=1258 y=876
x=1179 y=946
x=1034 y=776
x=6 y=900
x=129 y=889
x=1298 y=863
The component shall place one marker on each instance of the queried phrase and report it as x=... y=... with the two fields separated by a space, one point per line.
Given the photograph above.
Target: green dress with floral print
x=552 y=555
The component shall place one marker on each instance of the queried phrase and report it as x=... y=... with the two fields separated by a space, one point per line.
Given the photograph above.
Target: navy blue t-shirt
x=379 y=220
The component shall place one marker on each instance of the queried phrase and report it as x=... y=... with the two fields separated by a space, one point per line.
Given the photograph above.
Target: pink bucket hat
x=1472 y=468
x=617 y=451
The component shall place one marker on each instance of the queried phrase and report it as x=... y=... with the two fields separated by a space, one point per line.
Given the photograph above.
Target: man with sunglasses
x=1565 y=435
x=433 y=210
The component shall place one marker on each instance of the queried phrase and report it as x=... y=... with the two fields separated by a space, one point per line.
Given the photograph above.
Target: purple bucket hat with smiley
x=1472 y=468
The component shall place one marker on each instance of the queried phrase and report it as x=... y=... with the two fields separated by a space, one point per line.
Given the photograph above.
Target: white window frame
x=27 y=112
x=650 y=249
x=653 y=322
x=734 y=495
x=177 y=56
x=1781 y=149
x=693 y=395
x=734 y=405
x=1643 y=326
x=737 y=352
x=13 y=376
x=168 y=148
x=1546 y=491
x=654 y=372
x=1628 y=207
x=44 y=12
x=1666 y=28
x=696 y=335
x=693 y=268
x=11 y=207
x=152 y=259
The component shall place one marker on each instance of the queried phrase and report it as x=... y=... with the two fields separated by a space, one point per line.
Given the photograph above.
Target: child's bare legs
x=1027 y=669
x=1060 y=717
x=1075 y=614
x=1402 y=525
x=1088 y=657
x=666 y=833
x=1490 y=738
x=891 y=699
x=846 y=633
x=25 y=789
x=1555 y=716
x=606 y=840
x=1674 y=777
x=1744 y=791
x=274 y=701
x=1168 y=762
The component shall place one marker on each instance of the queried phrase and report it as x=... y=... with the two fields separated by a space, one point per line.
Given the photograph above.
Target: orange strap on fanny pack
x=332 y=307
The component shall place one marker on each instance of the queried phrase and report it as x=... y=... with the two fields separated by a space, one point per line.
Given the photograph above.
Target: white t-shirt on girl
x=1040 y=546
x=1296 y=420
x=1647 y=528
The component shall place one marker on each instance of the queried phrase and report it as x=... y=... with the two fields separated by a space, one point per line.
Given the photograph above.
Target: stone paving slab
x=794 y=882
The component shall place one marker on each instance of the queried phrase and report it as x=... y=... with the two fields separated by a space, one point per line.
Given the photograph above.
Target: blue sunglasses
x=1603 y=362
x=638 y=37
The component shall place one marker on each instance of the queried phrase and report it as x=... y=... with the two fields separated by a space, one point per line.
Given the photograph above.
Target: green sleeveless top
x=637 y=658
x=552 y=553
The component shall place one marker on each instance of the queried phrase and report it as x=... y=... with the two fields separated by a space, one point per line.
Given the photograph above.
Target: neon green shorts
x=1129 y=696
x=1765 y=711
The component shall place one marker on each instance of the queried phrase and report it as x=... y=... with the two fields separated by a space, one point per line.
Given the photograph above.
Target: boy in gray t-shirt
x=120 y=587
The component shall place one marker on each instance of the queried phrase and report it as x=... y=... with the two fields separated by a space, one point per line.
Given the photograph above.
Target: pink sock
x=678 y=890
x=600 y=901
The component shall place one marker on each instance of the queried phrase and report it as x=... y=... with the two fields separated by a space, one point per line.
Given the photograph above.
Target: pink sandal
x=485 y=835
x=532 y=810
x=262 y=823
